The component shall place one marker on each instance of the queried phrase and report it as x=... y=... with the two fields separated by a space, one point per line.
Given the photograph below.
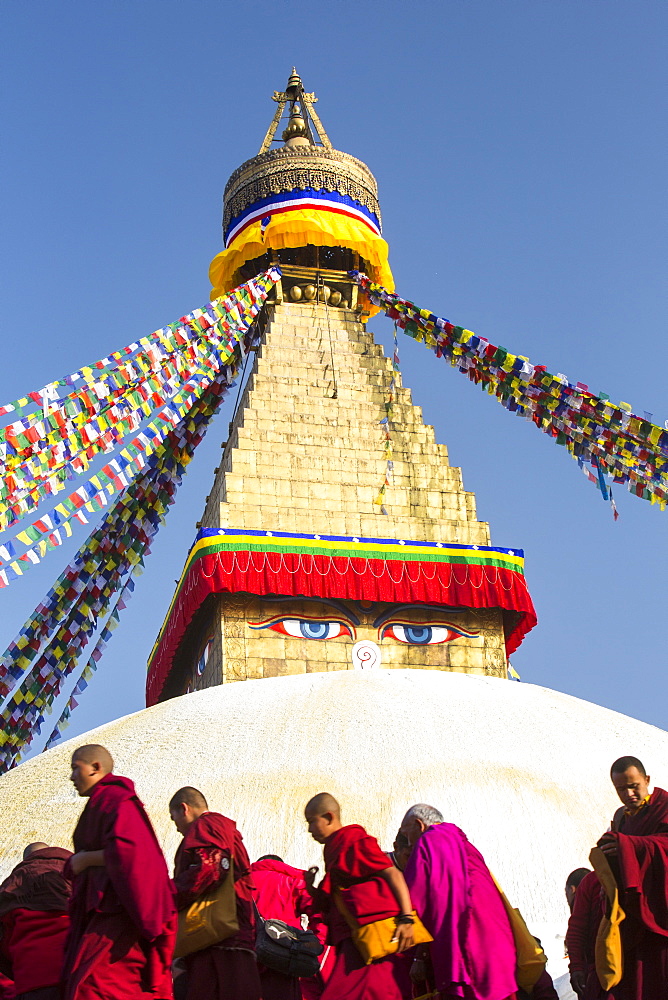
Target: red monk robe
x=123 y=919
x=583 y=924
x=280 y=892
x=642 y=871
x=226 y=971
x=34 y=922
x=353 y=863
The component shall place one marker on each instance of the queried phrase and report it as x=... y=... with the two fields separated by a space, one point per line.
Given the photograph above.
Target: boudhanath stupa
x=322 y=639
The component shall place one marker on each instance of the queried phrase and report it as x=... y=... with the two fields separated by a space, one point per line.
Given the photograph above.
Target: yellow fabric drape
x=298 y=228
x=531 y=959
x=608 y=951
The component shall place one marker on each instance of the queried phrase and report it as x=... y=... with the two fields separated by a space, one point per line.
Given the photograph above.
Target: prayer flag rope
x=97 y=573
x=114 y=476
x=608 y=436
x=49 y=644
x=243 y=303
x=337 y=566
x=41 y=451
x=111 y=625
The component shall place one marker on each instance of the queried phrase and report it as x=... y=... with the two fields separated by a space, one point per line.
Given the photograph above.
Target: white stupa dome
x=522 y=769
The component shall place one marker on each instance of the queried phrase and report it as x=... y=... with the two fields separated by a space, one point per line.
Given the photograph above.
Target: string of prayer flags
x=49 y=645
x=170 y=338
x=111 y=625
x=40 y=452
x=609 y=437
x=114 y=476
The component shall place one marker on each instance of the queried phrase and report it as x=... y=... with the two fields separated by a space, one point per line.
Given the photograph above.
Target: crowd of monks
x=101 y=922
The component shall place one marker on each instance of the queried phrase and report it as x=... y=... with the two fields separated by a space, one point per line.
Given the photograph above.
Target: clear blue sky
x=520 y=152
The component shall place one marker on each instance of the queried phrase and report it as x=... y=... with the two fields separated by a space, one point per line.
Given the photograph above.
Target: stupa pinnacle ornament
x=294 y=569
x=301 y=203
x=294 y=95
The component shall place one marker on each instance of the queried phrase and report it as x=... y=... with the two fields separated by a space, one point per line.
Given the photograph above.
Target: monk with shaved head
x=34 y=922
x=360 y=887
x=212 y=850
x=636 y=849
x=123 y=918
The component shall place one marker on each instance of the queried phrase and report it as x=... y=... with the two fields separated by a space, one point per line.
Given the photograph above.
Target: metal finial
x=301 y=108
x=294 y=86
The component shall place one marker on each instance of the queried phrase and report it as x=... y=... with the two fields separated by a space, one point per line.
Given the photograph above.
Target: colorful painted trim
x=308 y=199
x=343 y=567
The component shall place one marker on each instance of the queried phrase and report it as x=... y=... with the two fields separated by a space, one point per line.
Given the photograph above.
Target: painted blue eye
x=306 y=628
x=203 y=660
x=314 y=630
x=418 y=634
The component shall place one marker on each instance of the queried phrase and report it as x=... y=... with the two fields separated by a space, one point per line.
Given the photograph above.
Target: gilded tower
x=296 y=567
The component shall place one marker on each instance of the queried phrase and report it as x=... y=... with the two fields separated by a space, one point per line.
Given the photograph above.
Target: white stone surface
x=522 y=769
x=563 y=987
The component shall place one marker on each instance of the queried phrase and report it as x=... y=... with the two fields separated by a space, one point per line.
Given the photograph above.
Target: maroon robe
x=225 y=971
x=583 y=924
x=353 y=863
x=34 y=900
x=641 y=868
x=543 y=990
x=123 y=918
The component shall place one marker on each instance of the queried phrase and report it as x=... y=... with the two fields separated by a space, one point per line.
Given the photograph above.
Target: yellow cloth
x=531 y=959
x=608 y=952
x=376 y=940
x=210 y=919
x=299 y=228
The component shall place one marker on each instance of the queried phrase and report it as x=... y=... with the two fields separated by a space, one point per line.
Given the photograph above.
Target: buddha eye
x=422 y=634
x=306 y=628
x=203 y=660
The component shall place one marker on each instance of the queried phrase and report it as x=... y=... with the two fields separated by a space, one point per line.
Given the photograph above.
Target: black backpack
x=287 y=949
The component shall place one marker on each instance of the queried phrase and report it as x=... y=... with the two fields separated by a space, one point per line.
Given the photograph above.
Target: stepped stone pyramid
x=300 y=459
x=306 y=459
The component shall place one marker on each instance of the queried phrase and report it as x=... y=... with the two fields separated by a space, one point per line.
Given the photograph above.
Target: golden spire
x=303 y=122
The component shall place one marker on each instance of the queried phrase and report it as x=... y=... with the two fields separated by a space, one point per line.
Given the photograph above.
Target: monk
x=227 y=970
x=34 y=921
x=280 y=892
x=123 y=919
x=637 y=850
x=583 y=925
x=357 y=872
x=573 y=882
x=473 y=953
x=401 y=851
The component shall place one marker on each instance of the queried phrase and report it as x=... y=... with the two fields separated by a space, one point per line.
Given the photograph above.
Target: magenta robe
x=473 y=953
x=123 y=918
